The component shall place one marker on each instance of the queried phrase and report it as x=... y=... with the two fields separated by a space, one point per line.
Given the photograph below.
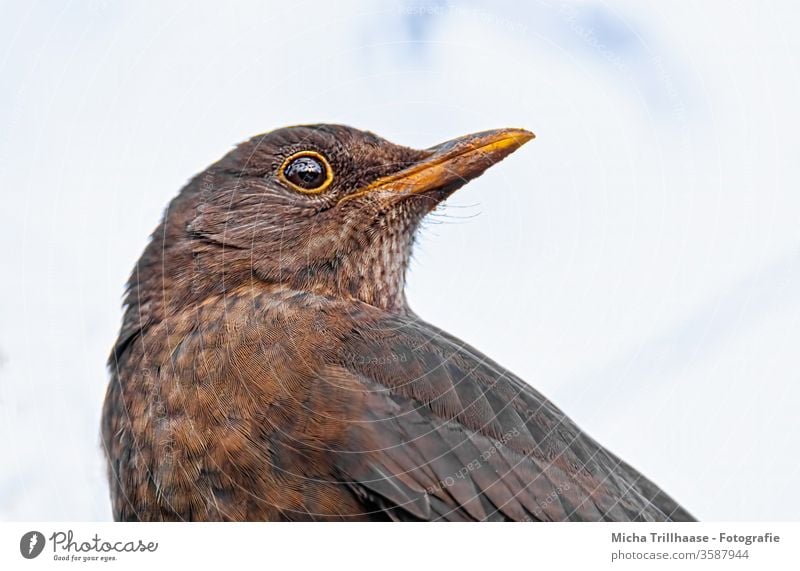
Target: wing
x=444 y=433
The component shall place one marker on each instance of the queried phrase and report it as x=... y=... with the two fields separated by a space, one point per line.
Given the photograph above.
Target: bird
x=269 y=366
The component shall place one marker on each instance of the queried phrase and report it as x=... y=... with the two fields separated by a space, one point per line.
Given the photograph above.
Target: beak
x=452 y=164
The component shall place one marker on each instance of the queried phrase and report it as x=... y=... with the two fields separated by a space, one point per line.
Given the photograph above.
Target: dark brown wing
x=447 y=434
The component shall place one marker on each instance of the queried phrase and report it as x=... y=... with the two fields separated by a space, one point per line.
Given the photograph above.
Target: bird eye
x=307 y=172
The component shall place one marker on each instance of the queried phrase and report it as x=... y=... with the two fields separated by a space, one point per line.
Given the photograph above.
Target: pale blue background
x=639 y=262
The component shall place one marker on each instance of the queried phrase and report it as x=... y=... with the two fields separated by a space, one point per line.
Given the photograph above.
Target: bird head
x=321 y=208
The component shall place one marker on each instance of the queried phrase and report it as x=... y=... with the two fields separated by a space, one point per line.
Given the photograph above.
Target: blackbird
x=269 y=367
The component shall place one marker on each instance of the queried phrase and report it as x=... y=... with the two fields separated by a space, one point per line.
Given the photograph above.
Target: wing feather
x=451 y=435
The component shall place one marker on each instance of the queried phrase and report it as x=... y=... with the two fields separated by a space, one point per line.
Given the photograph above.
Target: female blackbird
x=269 y=367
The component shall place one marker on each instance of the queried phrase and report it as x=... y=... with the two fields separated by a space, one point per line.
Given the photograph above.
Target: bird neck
x=168 y=279
x=377 y=277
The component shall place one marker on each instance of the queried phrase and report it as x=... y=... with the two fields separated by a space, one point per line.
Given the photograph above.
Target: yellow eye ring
x=308 y=172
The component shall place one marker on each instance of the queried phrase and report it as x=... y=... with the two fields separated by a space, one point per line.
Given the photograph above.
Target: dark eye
x=307 y=172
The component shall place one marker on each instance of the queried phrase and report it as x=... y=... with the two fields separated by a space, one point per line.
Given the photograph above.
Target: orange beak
x=451 y=164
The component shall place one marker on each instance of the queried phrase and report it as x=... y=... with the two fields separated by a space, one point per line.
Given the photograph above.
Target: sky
x=638 y=263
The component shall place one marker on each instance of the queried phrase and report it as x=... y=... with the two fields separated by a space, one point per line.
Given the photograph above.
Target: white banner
x=355 y=546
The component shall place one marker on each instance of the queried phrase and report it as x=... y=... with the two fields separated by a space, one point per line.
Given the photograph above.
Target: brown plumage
x=269 y=367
